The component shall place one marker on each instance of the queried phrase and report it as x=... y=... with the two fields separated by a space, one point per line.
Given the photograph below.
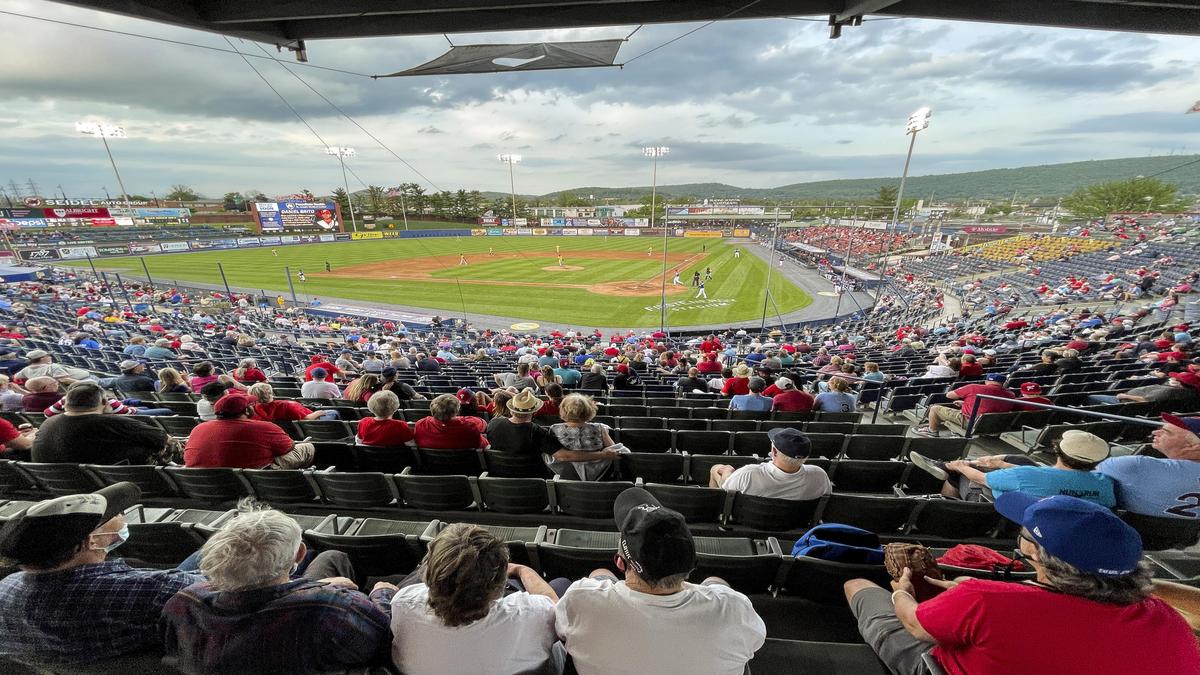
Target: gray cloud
x=430 y=130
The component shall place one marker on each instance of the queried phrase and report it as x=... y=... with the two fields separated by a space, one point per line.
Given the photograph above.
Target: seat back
x=645 y=440
x=702 y=442
x=884 y=515
x=160 y=545
x=585 y=499
x=436 y=493
x=652 y=467
x=356 y=490
x=510 y=465
x=700 y=466
x=953 y=519
x=695 y=504
x=61 y=478
x=434 y=462
x=751 y=443
x=373 y=555
x=513 y=495
x=280 y=487
x=151 y=480
x=772 y=515
x=873 y=447
x=1160 y=534
x=874 y=477
x=822 y=580
x=209 y=485
x=385 y=460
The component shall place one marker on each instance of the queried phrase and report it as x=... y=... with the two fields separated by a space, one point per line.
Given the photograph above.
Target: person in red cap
x=237 y=440
x=709 y=365
x=1031 y=392
x=321 y=362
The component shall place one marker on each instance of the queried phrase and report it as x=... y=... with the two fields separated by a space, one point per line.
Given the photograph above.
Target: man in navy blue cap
x=940 y=414
x=1089 y=609
x=786 y=476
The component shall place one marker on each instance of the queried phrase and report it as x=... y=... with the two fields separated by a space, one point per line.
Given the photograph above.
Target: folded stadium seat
x=435 y=493
x=1159 y=534
x=287 y=392
x=838 y=416
x=653 y=467
x=841 y=428
x=282 y=487
x=880 y=429
x=942 y=448
x=668 y=410
x=513 y=495
x=870 y=393
x=373 y=555
x=737 y=426
x=386 y=460
x=668 y=401
x=751 y=443
x=325 y=430
x=160 y=545
x=748 y=565
x=639 y=423
x=646 y=440
x=174 y=425
x=703 y=442
x=793 y=416
x=898 y=402
x=710 y=413
x=772 y=515
x=826 y=445
x=989 y=424
x=214 y=486
x=822 y=580
x=357 y=490
x=883 y=515
x=585 y=499
x=574 y=554
x=618 y=394
x=624 y=410
x=954 y=519
x=1028 y=438
x=152 y=480
x=447 y=462
x=688 y=424
x=754 y=415
x=697 y=504
x=878 y=448
x=606 y=419
x=521 y=541
x=14 y=483
x=60 y=478
x=767 y=425
x=34 y=418
x=699 y=466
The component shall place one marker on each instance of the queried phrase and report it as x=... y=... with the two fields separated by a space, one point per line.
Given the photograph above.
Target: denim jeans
x=1102 y=399
x=329 y=415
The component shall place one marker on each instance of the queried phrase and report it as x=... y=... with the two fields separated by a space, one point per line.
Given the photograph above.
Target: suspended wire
x=1195 y=161
x=694 y=30
x=353 y=121
x=281 y=97
x=634 y=31
x=169 y=41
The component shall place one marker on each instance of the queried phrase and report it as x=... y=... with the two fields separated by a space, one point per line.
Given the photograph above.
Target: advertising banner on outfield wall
x=136 y=248
x=366 y=235
x=586 y=231
x=741 y=232
x=41 y=254
x=489 y=221
x=269 y=241
x=632 y=232
x=570 y=231
x=71 y=252
x=224 y=243
x=344 y=236
x=173 y=246
x=478 y=233
x=540 y=232
x=495 y=232
x=702 y=233
x=327 y=237
x=510 y=231
x=524 y=231
x=23 y=223
x=248 y=241
x=290 y=239
x=113 y=250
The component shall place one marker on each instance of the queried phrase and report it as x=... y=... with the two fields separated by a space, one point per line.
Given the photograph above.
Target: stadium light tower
x=654 y=152
x=342 y=153
x=105 y=132
x=510 y=160
x=917 y=122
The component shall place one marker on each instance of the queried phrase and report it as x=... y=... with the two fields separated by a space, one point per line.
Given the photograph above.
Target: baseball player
x=737 y=253
x=462 y=258
x=275 y=252
x=675 y=280
x=702 y=293
x=649 y=251
x=708 y=274
x=560 y=261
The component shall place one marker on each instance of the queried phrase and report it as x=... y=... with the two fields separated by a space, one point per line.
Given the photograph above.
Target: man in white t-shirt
x=319 y=387
x=655 y=621
x=784 y=477
x=460 y=619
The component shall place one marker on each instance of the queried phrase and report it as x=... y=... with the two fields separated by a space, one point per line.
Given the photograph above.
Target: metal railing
x=974 y=415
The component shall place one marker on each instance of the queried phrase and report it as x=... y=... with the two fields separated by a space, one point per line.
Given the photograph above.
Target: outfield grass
x=736 y=290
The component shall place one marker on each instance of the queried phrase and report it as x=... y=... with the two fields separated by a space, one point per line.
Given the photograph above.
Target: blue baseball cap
x=996 y=377
x=1084 y=534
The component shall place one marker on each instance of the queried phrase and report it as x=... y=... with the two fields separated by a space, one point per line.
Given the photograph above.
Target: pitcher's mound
x=565 y=268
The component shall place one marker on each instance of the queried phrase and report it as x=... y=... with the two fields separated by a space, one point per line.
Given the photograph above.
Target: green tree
x=1135 y=194
x=308 y=195
x=343 y=201
x=377 y=200
x=887 y=195
x=566 y=199
x=234 y=201
x=643 y=211
x=181 y=193
x=441 y=203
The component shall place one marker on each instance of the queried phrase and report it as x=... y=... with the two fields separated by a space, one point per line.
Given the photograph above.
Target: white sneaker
x=929 y=466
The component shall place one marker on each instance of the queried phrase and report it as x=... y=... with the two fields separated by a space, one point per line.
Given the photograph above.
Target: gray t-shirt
x=768 y=480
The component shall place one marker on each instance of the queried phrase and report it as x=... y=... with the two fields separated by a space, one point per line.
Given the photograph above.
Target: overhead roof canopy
x=287 y=21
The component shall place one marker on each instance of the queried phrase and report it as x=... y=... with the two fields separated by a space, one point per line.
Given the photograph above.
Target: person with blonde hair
x=383 y=430
x=248 y=373
x=587 y=452
x=170 y=381
x=252 y=615
x=362 y=388
x=445 y=429
x=275 y=410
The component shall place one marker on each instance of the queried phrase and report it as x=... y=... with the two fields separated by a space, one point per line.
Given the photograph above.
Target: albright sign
x=38 y=201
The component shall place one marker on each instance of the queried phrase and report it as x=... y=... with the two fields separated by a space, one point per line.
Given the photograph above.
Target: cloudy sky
x=750 y=103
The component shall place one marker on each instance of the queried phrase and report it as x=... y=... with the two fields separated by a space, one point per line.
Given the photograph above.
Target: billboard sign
x=985 y=229
x=280 y=216
x=65 y=212
x=112 y=250
x=172 y=246
x=41 y=254
x=160 y=213
x=70 y=252
x=489 y=221
x=248 y=241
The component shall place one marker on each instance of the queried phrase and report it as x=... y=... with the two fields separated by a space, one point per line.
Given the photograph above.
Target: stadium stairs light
x=654 y=152
x=342 y=153
x=510 y=160
x=104 y=132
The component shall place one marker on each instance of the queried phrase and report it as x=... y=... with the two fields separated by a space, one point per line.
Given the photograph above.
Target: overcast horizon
x=754 y=104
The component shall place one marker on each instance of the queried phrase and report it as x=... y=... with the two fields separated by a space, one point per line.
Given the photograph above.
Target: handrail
x=1049 y=406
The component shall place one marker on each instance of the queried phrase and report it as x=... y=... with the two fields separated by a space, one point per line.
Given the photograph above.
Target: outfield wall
x=83 y=248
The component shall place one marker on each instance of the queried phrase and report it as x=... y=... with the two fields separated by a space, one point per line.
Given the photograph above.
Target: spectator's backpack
x=840 y=543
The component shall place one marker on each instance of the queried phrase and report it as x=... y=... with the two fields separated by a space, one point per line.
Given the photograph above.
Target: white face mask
x=122 y=536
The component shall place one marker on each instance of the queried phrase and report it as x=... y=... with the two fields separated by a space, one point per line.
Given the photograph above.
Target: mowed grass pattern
x=737 y=288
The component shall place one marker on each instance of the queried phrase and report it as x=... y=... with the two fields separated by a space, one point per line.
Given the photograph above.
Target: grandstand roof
x=284 y=21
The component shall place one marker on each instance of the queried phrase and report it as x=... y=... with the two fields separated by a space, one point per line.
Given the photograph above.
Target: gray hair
x=383 y=403
x=261 y=391
x=1124 y=590
x=788 y=463
x=597 y=368
x=251 y=551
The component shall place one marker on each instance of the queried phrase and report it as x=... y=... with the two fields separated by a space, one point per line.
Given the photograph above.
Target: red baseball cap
x=1031 y=388
x=232 y=404
x=1188 y=379
x=1192 y=424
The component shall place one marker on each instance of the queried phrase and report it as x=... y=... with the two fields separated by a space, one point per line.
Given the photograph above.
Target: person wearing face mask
x=70 y=603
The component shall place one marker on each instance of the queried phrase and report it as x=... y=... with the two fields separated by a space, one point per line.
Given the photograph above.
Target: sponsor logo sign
x=479 y=233
x=170 y=246
x=286 y=215
x=700 y=303
x=70 y=252
x=248 y=241
x=290 y=239
x=632 y=232
x=224 y=243
x=157 y=213
x=489 y=221
x=342 y=236
x=985 y=229
x=709 y=234
x=524 y=230
x=269 y=241
x=327 y=237
x=366 y=235
x=112 y=250
x=519 y=222
x=586 y=231
x=541 y=232
x=570 y=231
x=143 y=248
x=495 y=231
x=741 y=232
x=68 y=212
x=41 y=254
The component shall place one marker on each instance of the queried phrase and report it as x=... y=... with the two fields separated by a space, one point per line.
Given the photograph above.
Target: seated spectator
x=546 y=377
x=1182 y=389
x=554 y=397
x=739 y=383
x=271 y=409
x=383 y=429
x=993 y=386
x=1030 y=393
x=238 y=441
x=594 y=379
x=85 y=435
x=250 y=615
x=1074 y=472
x=1091 y=586
x=402 y=390
x=837 y=399
x=1047 y=366
x=170 y=381
x=41 y=392
x=112 y=406
x=69 y=603
x=567 y=376
x=318 y=387
x=785 y=476
x=969 y=368
x=709 y=364
x=754 y=401
x=1164 y=488
x=626 y=379
x=319 y=362
x=159 y=351
x=428 y=364
x=586 y=453
x=517 y=434
x=610 y=626
x=202 y=373
x=16 y=442
x=789 y=398
x=518 y=380
x=871 y=372
x=248 y=373
x=41 y=364
x=692 y=383
x=210 y=394
x=133 y=378
x=362 y=388
x=346 y=363
x=372 y=364
x=1069 y=362
x=444 y=429
x=459 y=617
x=136 y=347
x=12 y=396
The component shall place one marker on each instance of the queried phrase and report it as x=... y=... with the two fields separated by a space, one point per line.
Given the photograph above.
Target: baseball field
x=601 y=281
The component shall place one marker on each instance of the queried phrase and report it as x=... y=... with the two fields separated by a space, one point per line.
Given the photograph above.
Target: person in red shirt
x=238 y=441
x=1031 y=393
x=1090 y=586
x=709 y=364
x=739 y=384
x=789 y=398
x=382 y=430
x=248 y=372
x=319 y=361
x=443 y=429
x=554 y=396
x=16 y=443
x=940 y=414
x=271 y=409
x=969 y=369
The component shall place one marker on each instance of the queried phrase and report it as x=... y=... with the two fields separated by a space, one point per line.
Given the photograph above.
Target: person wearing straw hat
x=739 y=383
x=517 y=434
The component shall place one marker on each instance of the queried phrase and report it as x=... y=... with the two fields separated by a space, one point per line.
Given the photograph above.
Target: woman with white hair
x=248 y=373
x=269 y=408
x=253 y=616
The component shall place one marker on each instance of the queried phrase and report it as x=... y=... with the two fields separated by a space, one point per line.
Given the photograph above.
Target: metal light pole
x=917 y=122
x=105 y=132
x=341 y=154
x=64 y=192
x=770 y=259
x=654 y=152
x=510 y=160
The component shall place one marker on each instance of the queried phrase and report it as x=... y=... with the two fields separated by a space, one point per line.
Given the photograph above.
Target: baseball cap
x=1192 y=424
x=232 y=404
x=464 y=396
x=791 y=442
x=388 y=372
x=655 y=540
x=1187 y=379
x=1084 y=446
x=128 y=364
x=1083 y=534
x=996 y=377
x=1031 y=388
x=785 y=383
x=37 y=354
x=319 y=372
x=49 y=525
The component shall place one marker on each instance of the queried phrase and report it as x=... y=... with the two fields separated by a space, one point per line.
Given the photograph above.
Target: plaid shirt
x=86 y=613
x=302 y=626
